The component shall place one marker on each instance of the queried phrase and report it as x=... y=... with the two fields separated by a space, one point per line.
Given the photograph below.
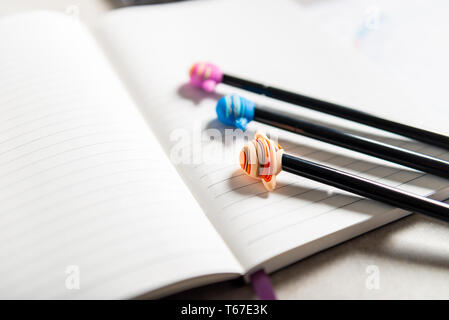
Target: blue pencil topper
x=235 y=111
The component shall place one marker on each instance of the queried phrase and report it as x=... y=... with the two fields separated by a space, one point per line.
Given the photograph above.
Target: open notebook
x=101 y=171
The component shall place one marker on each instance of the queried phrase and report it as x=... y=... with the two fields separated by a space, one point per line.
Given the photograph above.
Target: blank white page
x=393 y=36
x=84 y=185
x=269 y=41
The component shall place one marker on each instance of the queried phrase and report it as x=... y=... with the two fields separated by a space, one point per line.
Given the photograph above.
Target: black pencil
x=207 y=75
x=264 y=159
x=334 y=109
x=238 y=111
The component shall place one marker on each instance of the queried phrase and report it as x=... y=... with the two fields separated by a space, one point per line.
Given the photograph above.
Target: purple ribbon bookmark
x=262 y=285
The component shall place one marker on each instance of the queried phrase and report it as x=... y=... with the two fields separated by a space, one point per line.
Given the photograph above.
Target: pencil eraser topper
x=205 y=75
x=235 y=111
x=261 y=158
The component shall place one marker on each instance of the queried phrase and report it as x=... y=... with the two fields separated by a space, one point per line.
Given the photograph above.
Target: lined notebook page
x=274 y=43
x=84 y=185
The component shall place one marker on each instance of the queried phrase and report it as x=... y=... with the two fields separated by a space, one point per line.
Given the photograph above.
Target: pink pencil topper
x=205 y=75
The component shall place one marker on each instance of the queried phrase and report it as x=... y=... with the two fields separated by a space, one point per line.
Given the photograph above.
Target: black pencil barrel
x=418 y=134
x=360 y=144
x=365 y=187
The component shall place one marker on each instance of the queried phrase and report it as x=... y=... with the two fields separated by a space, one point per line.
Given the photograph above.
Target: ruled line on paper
x=38 y=129
x=216 y=170
x=253 y=241
x=155 y=264
x=150 y=263
x=67 y=163
x=67 y=151
x=235 y=189
x=89 y=234
x=54 y=134
x=43 y=183
x=95 y=204
x=280 y=214
x=226 y=179
x=63 y=152
x=43 y=115
x=68 y=186
x=137 y=249
x=23 y=240
x=255 y=195
x=78 y=197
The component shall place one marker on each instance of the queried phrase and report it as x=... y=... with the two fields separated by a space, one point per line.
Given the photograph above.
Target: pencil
x=237 y=111
x=264 y=159
x=207 y=76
